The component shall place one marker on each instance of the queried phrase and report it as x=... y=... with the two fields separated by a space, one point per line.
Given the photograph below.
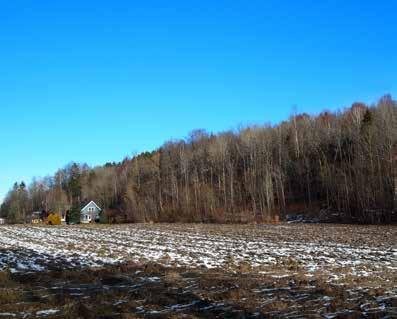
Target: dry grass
x=136 y=290
x=9 y=295
x=5 y=279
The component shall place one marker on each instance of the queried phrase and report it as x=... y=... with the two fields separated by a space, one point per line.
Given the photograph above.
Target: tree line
x=336 y=164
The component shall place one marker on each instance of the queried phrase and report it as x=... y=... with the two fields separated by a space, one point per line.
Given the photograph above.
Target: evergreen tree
x=74 y=214
x=74 y=185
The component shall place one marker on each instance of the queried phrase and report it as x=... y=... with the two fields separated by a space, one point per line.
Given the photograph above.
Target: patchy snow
x=38 y=248
x=45 y=313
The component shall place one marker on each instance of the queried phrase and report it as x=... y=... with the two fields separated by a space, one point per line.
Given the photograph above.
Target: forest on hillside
x=335 y=164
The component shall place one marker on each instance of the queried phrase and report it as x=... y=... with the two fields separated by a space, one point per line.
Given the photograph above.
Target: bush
x=103 y=217
x=54 y=219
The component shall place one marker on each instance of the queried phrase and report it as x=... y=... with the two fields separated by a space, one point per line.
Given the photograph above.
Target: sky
x=95 y=81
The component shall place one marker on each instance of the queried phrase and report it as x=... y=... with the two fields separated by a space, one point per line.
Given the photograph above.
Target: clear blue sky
x=94 y=81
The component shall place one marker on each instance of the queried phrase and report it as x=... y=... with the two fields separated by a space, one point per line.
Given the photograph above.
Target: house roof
x=91 y=202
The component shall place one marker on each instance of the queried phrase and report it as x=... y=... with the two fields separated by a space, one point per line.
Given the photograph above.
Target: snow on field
x=357 y=250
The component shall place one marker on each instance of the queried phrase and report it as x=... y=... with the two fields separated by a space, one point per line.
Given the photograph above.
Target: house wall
x=92 y=211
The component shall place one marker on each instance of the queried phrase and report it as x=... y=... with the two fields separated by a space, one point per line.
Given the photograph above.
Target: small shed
x=36 y=217
x=2 y=221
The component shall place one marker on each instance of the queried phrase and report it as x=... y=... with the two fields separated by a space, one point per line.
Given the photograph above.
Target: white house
x=2 y=221
x=90 y=213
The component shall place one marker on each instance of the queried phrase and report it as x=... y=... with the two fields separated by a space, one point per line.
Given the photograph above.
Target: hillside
x=338 y=167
